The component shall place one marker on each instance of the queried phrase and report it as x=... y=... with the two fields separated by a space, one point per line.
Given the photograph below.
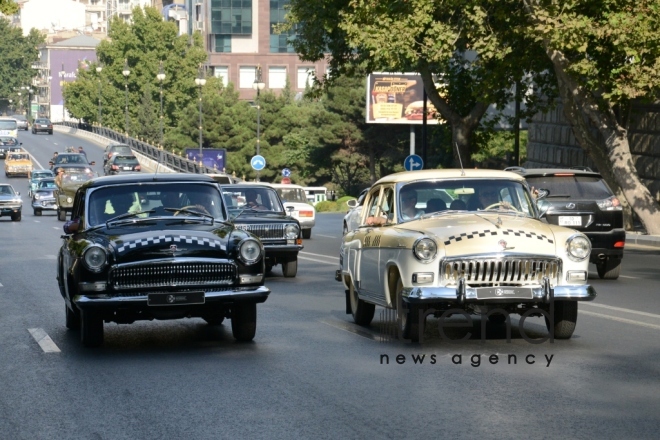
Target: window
x=304 y=77
x=246 y=77
x=279 y=43
x=222 y=43
x=222 y=72
x=276 y=77
x=231 y=17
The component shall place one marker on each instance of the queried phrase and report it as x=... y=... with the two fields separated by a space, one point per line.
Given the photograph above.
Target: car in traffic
x=68 y=178
x=295 y=202
x=8 y=127
x=579 y=198
x=352 y=217
x=146 y=246
x=8 y=144
x=75 y=159
x=120 y=163
x=11 y=203
x=42 y=125
x=116 y=148
x=35 y=177
x=43 y=196
x=488 y=255
x=258 y=209
x=18 y=163
x=21 y=122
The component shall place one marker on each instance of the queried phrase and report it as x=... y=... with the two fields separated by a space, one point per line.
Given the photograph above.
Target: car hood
x=471 y=234
x=9 y=198
x=260 y=217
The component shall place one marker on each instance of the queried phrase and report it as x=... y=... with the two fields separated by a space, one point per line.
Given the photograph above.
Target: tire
x=72 y=319
x=91 y=329
x=37 y=212
x=497 y=319
x=307 y=233
x=244 y=321
x=290 y=268
x=50 y=132
x=565 y=318
x=213 y=319
x=363 y=312
x=16 y=217
x=407 y=317
x=61 y=215
x=345 y=229
x=609 y=269
x=269 y=268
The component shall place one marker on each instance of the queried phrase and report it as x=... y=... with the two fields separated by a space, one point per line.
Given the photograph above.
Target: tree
x=8 y=7
x=605 y=55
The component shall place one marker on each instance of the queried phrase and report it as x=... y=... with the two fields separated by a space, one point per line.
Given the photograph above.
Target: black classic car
x=147 y=246
x=8 y=144
x=43 y=198
x=259 y=210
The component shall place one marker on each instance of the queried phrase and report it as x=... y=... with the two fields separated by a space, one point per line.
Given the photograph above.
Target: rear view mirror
x=71 y=227
x=352 y=203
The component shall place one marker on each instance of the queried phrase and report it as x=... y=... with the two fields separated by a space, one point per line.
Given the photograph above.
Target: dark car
x=42 y=125
x=7 y=144
x=259 y=210
x=120 y=163
x=580 y=199
x=43 y=198
x=35 y=177
x=11 y=203
x=76 y=159
x=72 y=176
x=112 y=149
x=21 y=121
x=157 y=246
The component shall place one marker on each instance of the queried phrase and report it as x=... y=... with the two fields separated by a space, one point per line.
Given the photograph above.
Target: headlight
x=37 y=197
x=291 y=232
x=425 y=249
x=578 y=247
x=95 y=258
x=249 y=251
x=69 y=200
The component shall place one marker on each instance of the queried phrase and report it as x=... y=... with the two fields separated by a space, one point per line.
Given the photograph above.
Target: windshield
x=295 y=195
x=8 y=124
x=164 y=199
x=571 y=187
x=50 y=183
x=10 y=141
x=259 y=198
x=18 y=157
x=6 y=190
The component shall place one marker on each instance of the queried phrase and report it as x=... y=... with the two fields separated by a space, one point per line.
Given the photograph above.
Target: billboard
x=64 y=64
x=211 y=157
x=397 y=98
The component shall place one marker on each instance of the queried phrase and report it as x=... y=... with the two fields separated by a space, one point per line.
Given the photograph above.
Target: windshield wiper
x=191 y=212
x=565 y=196
x=129 y=215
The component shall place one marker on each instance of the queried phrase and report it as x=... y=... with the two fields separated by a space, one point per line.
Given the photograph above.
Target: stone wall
x=551 y=143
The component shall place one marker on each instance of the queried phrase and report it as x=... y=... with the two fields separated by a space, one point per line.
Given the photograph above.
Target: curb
x=643 y=240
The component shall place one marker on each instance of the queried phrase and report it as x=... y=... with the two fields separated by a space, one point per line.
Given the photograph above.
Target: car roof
x=538 y=172
x=413 y=176
x=244 y=185
x=147 y=178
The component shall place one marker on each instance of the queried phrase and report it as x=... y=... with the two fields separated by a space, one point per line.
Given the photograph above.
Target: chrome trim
x=266 y=231
x=500 y=270
x=252 y=260
x=84 y=260
x=569 y=240
x=583 y=292
x=236 y=292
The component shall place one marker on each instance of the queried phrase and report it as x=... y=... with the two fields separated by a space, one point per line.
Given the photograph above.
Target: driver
x=251 y=200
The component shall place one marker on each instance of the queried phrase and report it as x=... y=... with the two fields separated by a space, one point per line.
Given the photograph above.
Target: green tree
x=8 y=7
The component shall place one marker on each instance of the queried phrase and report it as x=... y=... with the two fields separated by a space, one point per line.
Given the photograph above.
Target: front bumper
x=45 y=205
x=279 y=250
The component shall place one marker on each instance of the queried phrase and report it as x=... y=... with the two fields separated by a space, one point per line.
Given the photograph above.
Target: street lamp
x=200 y=81
x=258 y=85
x=20 y=102
x=161 y=77
x=99 y=68
x=126 y=72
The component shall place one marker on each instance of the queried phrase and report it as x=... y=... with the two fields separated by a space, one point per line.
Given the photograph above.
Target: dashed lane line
x=624 y=320
x=320 y=255
x=44 y=341
x=620 y=309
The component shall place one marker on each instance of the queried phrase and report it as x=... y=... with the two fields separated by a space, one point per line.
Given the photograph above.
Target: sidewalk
x=642 y=240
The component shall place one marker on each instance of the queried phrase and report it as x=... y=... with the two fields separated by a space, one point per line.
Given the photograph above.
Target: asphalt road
x=310 y=372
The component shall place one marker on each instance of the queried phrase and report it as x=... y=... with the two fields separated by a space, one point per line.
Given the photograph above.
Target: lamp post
x=258 y=85
x=20 y=102
x=200 y=81
x=126 y=72
x=99 y=68
x=161 y=77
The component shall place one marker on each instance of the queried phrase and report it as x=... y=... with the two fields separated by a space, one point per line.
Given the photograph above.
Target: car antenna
x=458 y=153
x=160 y=159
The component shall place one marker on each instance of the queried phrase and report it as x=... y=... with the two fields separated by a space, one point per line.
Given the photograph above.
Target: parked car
x=43 y=197
x=7 y=144
x=146 y=246
x=21 y=122
x=120 y=163
x=495 y=258
x=581 y=199
x=69 y=177
x=295 y=201
x=11 y=203
x=42 y=125
x=35 y=177
x=18 y=163
x=259 y=210
x=115 y=148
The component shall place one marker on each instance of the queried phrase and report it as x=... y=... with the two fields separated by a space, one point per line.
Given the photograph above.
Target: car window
x=574 y=187
x=124 y=159
x=295 y=195
x=6 y=190
x=265 y=199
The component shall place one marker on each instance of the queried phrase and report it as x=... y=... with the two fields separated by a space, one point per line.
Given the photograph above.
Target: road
x=310 y=372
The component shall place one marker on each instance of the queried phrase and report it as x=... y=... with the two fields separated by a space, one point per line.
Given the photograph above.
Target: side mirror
x=71 y=227
x=18 y=193
x=543 y=206
x=290 y=208
x=352 y=203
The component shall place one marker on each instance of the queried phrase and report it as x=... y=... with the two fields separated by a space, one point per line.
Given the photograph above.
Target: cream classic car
x=485 y=254
x=18 y=163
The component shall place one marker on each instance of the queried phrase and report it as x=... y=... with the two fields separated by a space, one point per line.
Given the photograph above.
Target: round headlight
x=291 y=231
x=249 y=251
x=425 y=249
x=69 y=200
x=95 y=258
x=36 y=197
x=578 y=247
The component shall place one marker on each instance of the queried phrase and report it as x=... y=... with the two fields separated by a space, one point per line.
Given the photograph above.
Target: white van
x=316 y=194
x=8 y=127
x=294 y=197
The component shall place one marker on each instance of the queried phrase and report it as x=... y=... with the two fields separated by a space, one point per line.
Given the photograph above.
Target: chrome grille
x=159 y=274
x=265 y=231
x=500 y=271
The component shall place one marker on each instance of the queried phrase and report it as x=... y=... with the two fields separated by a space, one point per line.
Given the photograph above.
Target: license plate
x=504 y=293
x=570 y=220
x=175 y=298
x=127 y=168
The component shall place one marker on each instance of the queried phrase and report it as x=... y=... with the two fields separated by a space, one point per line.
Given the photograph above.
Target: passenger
x=408 y=199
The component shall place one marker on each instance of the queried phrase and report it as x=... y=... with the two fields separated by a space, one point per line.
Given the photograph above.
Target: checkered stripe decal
x=190 y=239
x=489 y=233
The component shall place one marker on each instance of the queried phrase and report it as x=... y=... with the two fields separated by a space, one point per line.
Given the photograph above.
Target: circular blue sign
x=258 y=162
x=413 y=163
x=286 y=172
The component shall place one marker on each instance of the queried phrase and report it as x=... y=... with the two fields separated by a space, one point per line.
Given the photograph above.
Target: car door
x=368 y=258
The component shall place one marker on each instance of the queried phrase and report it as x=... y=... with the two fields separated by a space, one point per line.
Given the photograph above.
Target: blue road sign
x=413 y=163
x=258 y=162
x=286 y=172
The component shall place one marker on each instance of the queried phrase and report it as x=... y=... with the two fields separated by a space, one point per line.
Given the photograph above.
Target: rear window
x=125 y=160
x=572 y=187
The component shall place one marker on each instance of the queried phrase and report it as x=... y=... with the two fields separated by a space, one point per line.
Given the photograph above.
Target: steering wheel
x=198 y=208
x=505 y=205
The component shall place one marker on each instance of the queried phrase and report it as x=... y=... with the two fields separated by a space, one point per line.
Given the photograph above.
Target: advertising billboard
x=64 y=64
x=397 y=98
x=211 y=157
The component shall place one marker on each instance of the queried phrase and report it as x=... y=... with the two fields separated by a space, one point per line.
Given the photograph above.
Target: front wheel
x=609 y=269
x=363 y=312
x=307 y=233
x=61 y=215
x=407 y=317
x=37 y=212
x=91 y=329
x=244 y=321
x=16 y=217
x=565 y=317
x=290 y=268
x=72 y=319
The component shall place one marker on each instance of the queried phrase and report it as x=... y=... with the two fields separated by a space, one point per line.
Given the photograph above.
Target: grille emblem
x=570 y=206
x=170 y=298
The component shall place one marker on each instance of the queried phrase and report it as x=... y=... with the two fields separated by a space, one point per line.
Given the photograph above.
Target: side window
x=387 y=205
x=79 y=207
x=371 y=205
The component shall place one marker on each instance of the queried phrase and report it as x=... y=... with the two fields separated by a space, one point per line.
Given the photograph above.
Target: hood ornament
x=504 y=245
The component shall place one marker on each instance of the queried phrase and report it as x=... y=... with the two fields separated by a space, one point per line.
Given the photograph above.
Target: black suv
x=580 y=199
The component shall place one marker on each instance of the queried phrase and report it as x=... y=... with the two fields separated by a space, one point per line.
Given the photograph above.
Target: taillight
x=619 y=244
x=610 y=204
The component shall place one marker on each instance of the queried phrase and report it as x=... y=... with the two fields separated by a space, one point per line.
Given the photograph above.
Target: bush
x=328 y=206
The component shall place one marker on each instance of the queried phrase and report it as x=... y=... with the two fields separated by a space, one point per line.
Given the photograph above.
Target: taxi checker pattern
x=190 y=239
x=488 y=232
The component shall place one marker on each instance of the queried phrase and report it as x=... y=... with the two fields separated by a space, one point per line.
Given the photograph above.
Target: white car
x=487 y=254
x=352 y=217
x=295 y=201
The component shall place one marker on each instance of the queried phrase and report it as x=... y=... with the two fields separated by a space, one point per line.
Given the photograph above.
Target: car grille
x=264 y=232
x=150 y=275
x=508 y=271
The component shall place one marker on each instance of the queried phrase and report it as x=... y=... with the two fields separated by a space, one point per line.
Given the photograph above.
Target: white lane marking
x=630 y=278
x=315 y=260
x=320 y=255
x=619 y=309
x=326 y=236
x=1 y=285
x=624 y=320
x=55 y=227
x=44 y=341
